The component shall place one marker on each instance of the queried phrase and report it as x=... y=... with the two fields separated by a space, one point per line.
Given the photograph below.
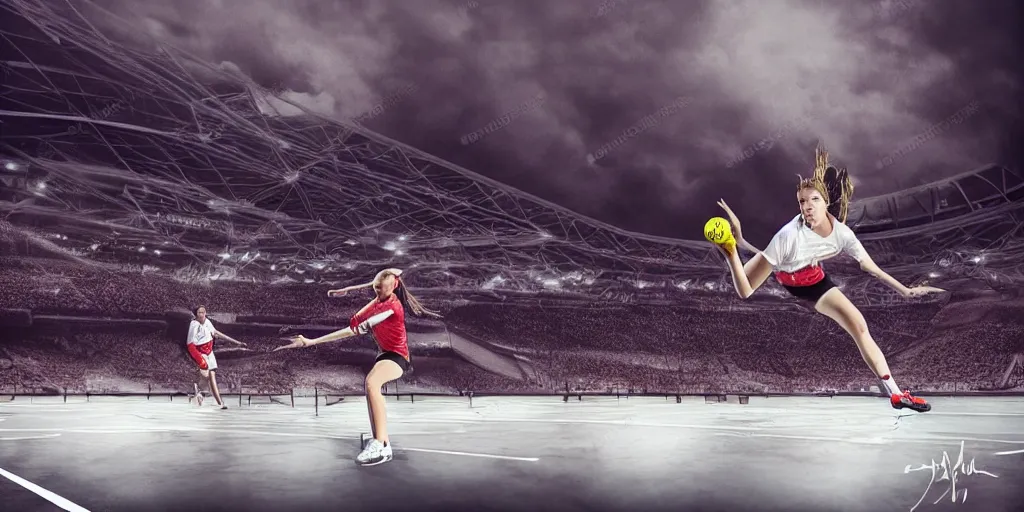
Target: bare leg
x=383 y=372
x=369 y=409
x=204 y=380
x=836 y=306
x=213 y=387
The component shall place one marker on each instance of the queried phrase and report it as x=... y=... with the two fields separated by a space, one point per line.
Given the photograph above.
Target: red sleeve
x=362 y=315
x=196 y=356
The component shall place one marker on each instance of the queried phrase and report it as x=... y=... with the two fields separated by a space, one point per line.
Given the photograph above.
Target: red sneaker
x=906 y=400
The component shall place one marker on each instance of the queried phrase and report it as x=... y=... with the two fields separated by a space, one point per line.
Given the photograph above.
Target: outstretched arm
x=868 y=265
x=342 y=291
x=358 y=326
x=302 y=341
x=334 y=336
x=855 y=249
x=221 y=335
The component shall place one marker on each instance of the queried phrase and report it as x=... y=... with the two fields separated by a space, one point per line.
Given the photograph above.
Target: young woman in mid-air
x=384 y=319
x=796 y=252
x=201 y=334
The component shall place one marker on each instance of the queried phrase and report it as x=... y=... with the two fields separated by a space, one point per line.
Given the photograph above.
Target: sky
x=638 y=113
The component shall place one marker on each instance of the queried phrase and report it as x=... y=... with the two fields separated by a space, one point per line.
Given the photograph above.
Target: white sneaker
x=199 y=394
x=374 y=453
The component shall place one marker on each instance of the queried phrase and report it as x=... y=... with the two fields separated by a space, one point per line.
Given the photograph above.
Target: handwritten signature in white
x=950 y=472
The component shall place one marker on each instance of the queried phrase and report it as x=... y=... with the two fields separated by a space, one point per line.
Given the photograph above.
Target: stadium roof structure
x=164 y=162
x=983 y=188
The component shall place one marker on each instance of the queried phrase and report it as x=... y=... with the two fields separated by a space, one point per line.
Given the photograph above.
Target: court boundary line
x=154 y=430
x=50 y=496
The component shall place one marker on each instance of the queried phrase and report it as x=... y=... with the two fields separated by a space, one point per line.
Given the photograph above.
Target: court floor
x=512 y=454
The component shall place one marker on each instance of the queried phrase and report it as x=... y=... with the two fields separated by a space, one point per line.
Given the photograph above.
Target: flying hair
x=831 y=182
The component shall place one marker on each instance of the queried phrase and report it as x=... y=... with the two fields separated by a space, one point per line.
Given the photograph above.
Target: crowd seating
x=598 y=348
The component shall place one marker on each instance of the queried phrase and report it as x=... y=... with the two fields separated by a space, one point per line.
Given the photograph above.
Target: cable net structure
x=172 y=164
x=157 y=162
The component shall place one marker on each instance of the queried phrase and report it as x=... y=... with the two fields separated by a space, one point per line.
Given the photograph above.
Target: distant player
x=384 y=319
x=795 y=254
x=201 y=334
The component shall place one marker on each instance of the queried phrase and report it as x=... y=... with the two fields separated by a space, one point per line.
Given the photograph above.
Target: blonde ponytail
x=840 y=188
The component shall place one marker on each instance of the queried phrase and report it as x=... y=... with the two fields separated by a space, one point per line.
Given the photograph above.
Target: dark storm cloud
x=767 y=78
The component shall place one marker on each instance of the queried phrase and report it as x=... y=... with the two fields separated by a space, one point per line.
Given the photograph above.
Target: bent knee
x=860 y=328
x=373 y=383
x=857 y=327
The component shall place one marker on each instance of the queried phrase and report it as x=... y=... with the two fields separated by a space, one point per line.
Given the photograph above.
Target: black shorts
x=813 y=292
x=396 y=357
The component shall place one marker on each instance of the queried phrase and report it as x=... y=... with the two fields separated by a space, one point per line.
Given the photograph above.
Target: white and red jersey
x=796 y=251
x=200 y=339
x=201 y=333
x=385 y=320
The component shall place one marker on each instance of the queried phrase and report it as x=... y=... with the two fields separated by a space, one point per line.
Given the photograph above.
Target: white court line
x=10 y=405
x=617 y=423
x=879 y=440
x=43 y=493
x=976 y=413
x=153 y=430
x=257 y=432
x=854 y=440
x=90 y=431
x=468 y=454
x=1014 y=452
x=47 y=436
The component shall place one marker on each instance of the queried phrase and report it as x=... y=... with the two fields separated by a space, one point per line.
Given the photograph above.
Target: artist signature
x=947 y=470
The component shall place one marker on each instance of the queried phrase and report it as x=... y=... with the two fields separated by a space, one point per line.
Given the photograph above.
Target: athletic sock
x=890 y=385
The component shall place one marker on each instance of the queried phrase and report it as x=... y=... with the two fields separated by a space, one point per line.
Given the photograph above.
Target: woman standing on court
x=201 y=334
x=795 y=254
x=384 y=319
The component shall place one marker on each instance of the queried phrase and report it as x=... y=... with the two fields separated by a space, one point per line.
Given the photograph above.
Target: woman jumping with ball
x=384 y=319
x=795 y=254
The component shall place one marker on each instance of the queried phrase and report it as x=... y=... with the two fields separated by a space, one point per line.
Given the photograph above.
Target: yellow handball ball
x=717 y=230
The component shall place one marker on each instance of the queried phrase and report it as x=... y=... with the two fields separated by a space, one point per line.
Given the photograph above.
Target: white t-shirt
x=797 y=246
x=200 y=333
